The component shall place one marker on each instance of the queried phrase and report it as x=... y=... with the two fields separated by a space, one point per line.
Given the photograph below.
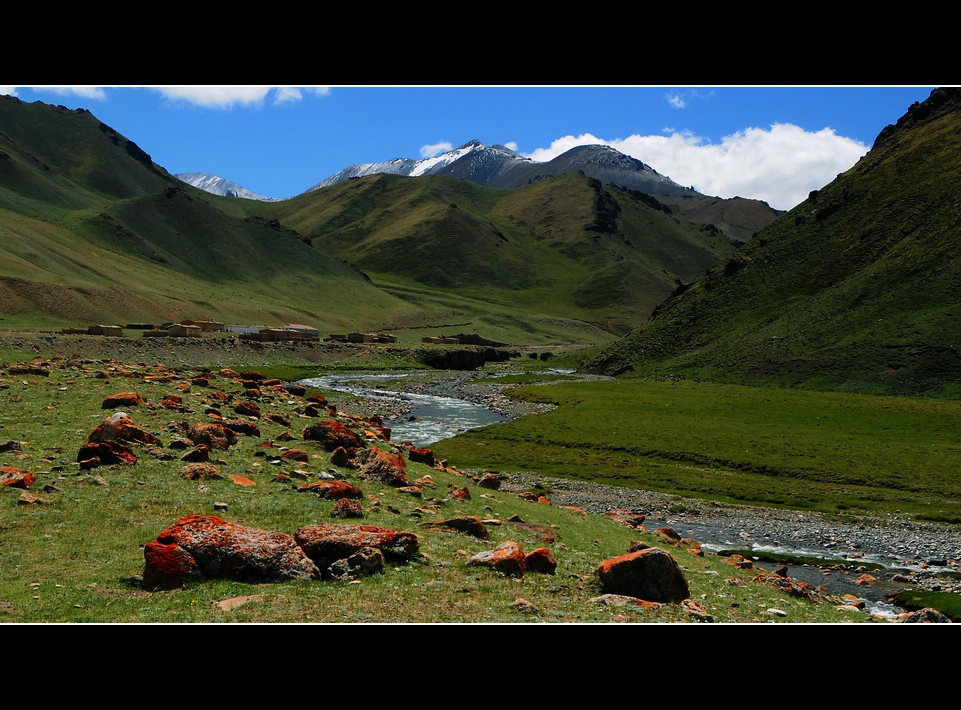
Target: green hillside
x=854 y=289
x=564 y=247
x=92 y=230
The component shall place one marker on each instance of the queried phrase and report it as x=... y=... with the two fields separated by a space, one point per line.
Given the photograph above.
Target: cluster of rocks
x=207 y=546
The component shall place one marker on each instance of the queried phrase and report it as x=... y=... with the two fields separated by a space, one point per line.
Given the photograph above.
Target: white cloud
x=8 y=90
x=87 y=92
x=215 y=96
x=780 y=165
x=429 y=151
x=287 y=94
x=511 y=145
x=676 y=100
x=229 y=96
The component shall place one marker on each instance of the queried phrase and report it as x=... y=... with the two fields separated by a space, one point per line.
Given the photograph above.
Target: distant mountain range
x=500 y=167
x=490 y=166
x=216 y=185
x=497 y=166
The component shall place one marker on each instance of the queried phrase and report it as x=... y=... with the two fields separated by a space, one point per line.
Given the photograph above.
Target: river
x=420 y=407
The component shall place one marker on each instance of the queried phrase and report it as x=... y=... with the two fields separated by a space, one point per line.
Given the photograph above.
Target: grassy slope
x=94 y=231
x=562 y=248
x=854 y=289
x=74 y=558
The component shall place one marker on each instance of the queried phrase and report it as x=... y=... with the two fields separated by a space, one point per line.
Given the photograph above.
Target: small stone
x=523 y=606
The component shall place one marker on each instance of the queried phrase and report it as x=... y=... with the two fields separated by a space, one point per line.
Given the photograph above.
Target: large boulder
x=200 y=546
x=651 y=574
x=332 y=490
x=332 y=434
x=382 y=467
x=328 y=542
x=122 y=399
x=214 y=435
x=120 y=427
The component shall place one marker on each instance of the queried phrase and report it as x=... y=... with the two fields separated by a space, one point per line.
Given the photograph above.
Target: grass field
x=807 y=450
x=76 y=556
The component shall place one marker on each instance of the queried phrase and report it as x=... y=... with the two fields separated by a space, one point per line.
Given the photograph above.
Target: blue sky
x=769 y=143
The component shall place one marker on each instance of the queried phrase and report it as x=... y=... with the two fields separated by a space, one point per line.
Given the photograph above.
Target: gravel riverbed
x=913 y=552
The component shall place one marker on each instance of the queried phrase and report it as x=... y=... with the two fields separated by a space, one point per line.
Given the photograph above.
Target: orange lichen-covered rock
x=469 y=524
x=332 y=434
x=332 y=490
x=328 y=542
x=247 y=408
x=425 y=456
x=214 y=435
x=541 y=560
x=120 y=427
x=168 y=566
x=240 y=426
x=223 y=549
x=347 y=508
x=122 y=399
x=104 y=452
x=650 y=574
x=382 y=467
x=507 y=558
x=15 y=477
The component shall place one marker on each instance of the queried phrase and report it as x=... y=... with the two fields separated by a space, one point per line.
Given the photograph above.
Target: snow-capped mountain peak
x=217 y=185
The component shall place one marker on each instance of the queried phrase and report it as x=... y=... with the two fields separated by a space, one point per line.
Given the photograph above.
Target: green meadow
x=819 y=451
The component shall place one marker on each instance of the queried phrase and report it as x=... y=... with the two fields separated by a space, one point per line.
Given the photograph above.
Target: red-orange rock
x=214 y=435
x=223 y=549
x=425 y=456
x=168 y=566
x=242 y=480
x=469 y=524
x=15 y=477
x=120 y=427
x=541 y=560
x=332 y=490
x=651 y=574
x=507 y=558
x=332 y=434
x=295 y=455
x=382 y=467
x=459 y=493
x=347 y=508
x=329 y=542
x=122 y=399
x=247 y=408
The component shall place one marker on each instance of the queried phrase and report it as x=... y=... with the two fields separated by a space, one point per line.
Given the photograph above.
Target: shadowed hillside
x=856 y=288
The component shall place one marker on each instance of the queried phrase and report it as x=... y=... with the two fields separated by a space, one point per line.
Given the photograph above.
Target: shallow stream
x=425 y=418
